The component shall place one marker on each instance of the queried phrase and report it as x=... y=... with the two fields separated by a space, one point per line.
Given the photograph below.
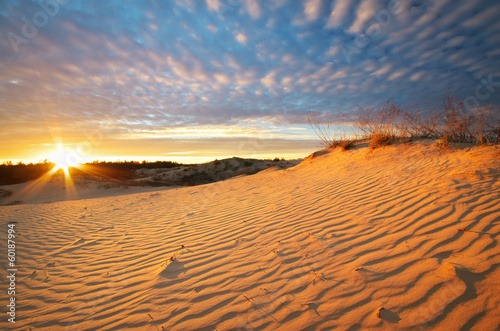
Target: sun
x=62 y=158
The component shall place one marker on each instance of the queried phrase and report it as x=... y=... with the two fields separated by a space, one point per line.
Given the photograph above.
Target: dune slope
x=401 y=237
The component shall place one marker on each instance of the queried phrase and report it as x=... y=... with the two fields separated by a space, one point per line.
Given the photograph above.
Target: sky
x=195 y=80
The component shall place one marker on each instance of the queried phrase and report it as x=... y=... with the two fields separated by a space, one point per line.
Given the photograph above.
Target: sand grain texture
x=354 y=239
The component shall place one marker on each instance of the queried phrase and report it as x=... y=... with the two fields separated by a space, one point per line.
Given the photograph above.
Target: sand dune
x=55 y=187
x=355 y=239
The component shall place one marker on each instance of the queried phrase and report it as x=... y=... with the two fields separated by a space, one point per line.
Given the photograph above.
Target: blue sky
x=206 y=79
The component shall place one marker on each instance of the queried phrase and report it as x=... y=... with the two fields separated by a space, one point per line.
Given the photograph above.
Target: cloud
x=270 y=80
x=383 y=70
x=312 y=9
x=253 y=8
x=398 y=74
x=241 y=38
x=417 y=76
x=222 y=78
x=213 y=5
x=483 y=17
x=339 y=13
x=366 y=11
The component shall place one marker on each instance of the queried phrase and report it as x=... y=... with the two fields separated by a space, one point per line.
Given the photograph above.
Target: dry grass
x=451 y=122
x=324 y=130
x=380 y=139
x=387 y=120
x=347 y=144
x=443 y=143
x=330 y=136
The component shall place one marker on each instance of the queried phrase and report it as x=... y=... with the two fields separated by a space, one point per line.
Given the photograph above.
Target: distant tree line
x=134 y=165
x=20 y=172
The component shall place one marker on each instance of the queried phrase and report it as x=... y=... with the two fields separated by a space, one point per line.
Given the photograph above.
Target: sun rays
x=61 y=157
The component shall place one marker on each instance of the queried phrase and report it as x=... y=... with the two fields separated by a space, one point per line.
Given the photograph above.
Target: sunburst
x=62 y=158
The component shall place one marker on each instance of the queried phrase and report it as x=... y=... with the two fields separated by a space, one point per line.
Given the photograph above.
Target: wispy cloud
x=365 y=11
x=213 y=5
x=253 y=8
x=339 y=13
x=312 y=9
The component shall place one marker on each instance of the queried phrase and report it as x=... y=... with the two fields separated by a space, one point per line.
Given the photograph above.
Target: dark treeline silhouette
x=19 y=173
x=121 y=170
x=134 y=165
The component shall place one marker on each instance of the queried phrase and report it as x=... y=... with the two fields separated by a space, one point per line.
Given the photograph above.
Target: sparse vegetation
x=134 y=165
x=324 y=130
x=383 y=125
x=442 y=142
x=380 y=139
x=5 y=193
x=330 y=137
x=387 y=121
x=346 y=143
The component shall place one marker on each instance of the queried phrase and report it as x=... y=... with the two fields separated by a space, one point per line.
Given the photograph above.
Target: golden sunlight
x=63 y=161
x=61 y=157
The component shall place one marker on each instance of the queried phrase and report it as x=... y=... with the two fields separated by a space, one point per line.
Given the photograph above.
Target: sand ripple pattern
x=321 y=246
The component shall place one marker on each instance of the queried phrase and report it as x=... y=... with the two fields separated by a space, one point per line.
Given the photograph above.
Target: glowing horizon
x=184 y=159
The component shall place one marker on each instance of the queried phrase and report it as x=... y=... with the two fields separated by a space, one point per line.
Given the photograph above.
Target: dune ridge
x=94 y=181
x=401 y=237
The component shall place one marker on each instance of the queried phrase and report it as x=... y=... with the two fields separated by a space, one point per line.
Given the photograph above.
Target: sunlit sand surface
x=401 y=237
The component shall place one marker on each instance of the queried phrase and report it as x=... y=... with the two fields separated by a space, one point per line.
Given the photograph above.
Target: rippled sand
x=402 y=237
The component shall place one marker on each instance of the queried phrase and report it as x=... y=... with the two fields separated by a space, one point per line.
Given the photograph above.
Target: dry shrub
x=422 y=125
x=457 y=123
x=386 y=120
x=329 y=134
x=452 y=122
x=324 y=130
x=443 y=143
x=463 y=126
x=380 y=139
x=347 y=144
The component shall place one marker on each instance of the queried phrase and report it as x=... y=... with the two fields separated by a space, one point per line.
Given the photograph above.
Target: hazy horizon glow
x=157 y=79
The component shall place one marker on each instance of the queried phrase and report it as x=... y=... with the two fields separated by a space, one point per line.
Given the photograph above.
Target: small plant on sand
x=386 y=120
x=420 y=124
x=330 y=136
x=382 y=125
x=380 y=139
x=443 y=142
x=347 y=144
x=324 y=130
